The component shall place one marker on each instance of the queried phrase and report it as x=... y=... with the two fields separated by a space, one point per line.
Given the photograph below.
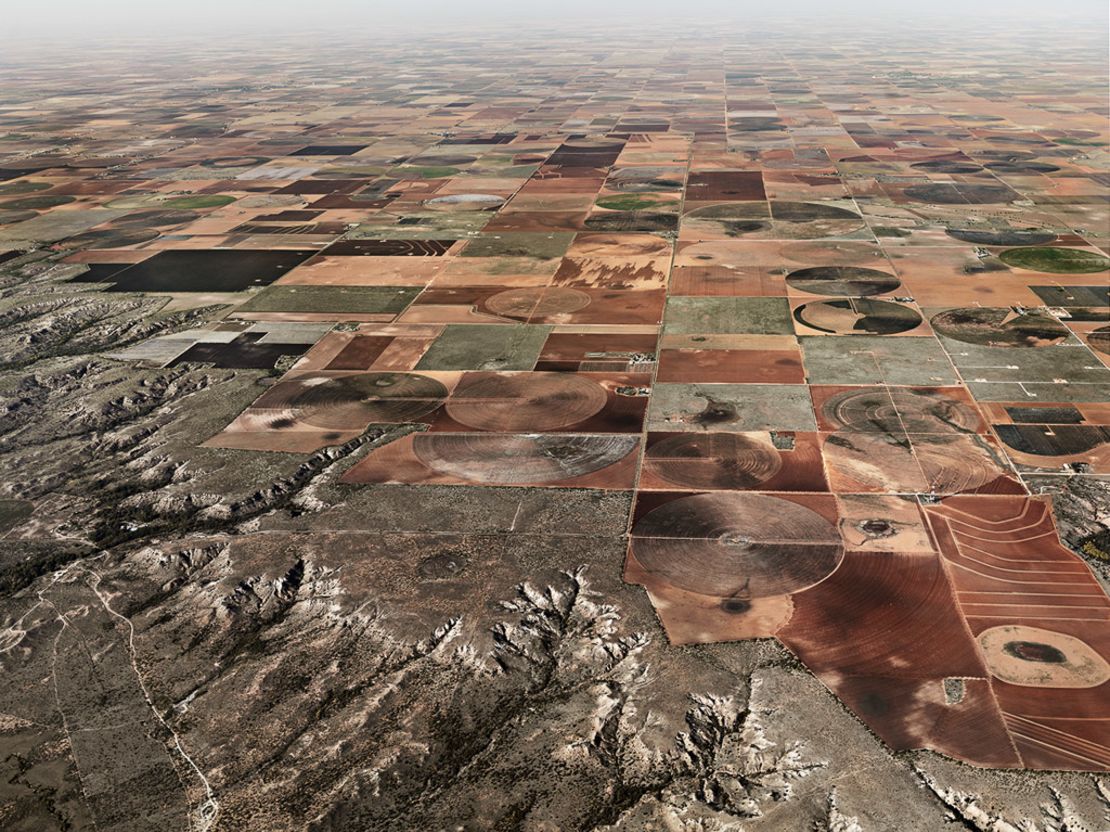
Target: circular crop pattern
x=526 y=402
x=498 y=459
x=1056 y=260
x=726 y=544
x=1007 y=237
x=847 y=281
x=713 y=460
x=857 y=316
x=990 y=327
x=539 y=301
x=352 y=402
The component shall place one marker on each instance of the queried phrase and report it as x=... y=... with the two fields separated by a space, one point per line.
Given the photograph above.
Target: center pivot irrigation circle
x=529 y=402
x=541 y=301
x=351 y=402
x=713 y=460
x=500 y=459
x=722 y=545
x=844 y=281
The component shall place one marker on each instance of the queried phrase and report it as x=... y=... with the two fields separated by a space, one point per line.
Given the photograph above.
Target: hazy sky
x=96 y=17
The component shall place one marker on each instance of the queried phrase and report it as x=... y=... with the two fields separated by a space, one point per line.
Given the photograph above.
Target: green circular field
x=199 y=201
x=426 y=172
x=1056 y=260
x=11 y=217
x=632 y=202
x=24 y=187
x=36 y=203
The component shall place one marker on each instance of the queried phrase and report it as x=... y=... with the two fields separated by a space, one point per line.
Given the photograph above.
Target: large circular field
x=1056 y=260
